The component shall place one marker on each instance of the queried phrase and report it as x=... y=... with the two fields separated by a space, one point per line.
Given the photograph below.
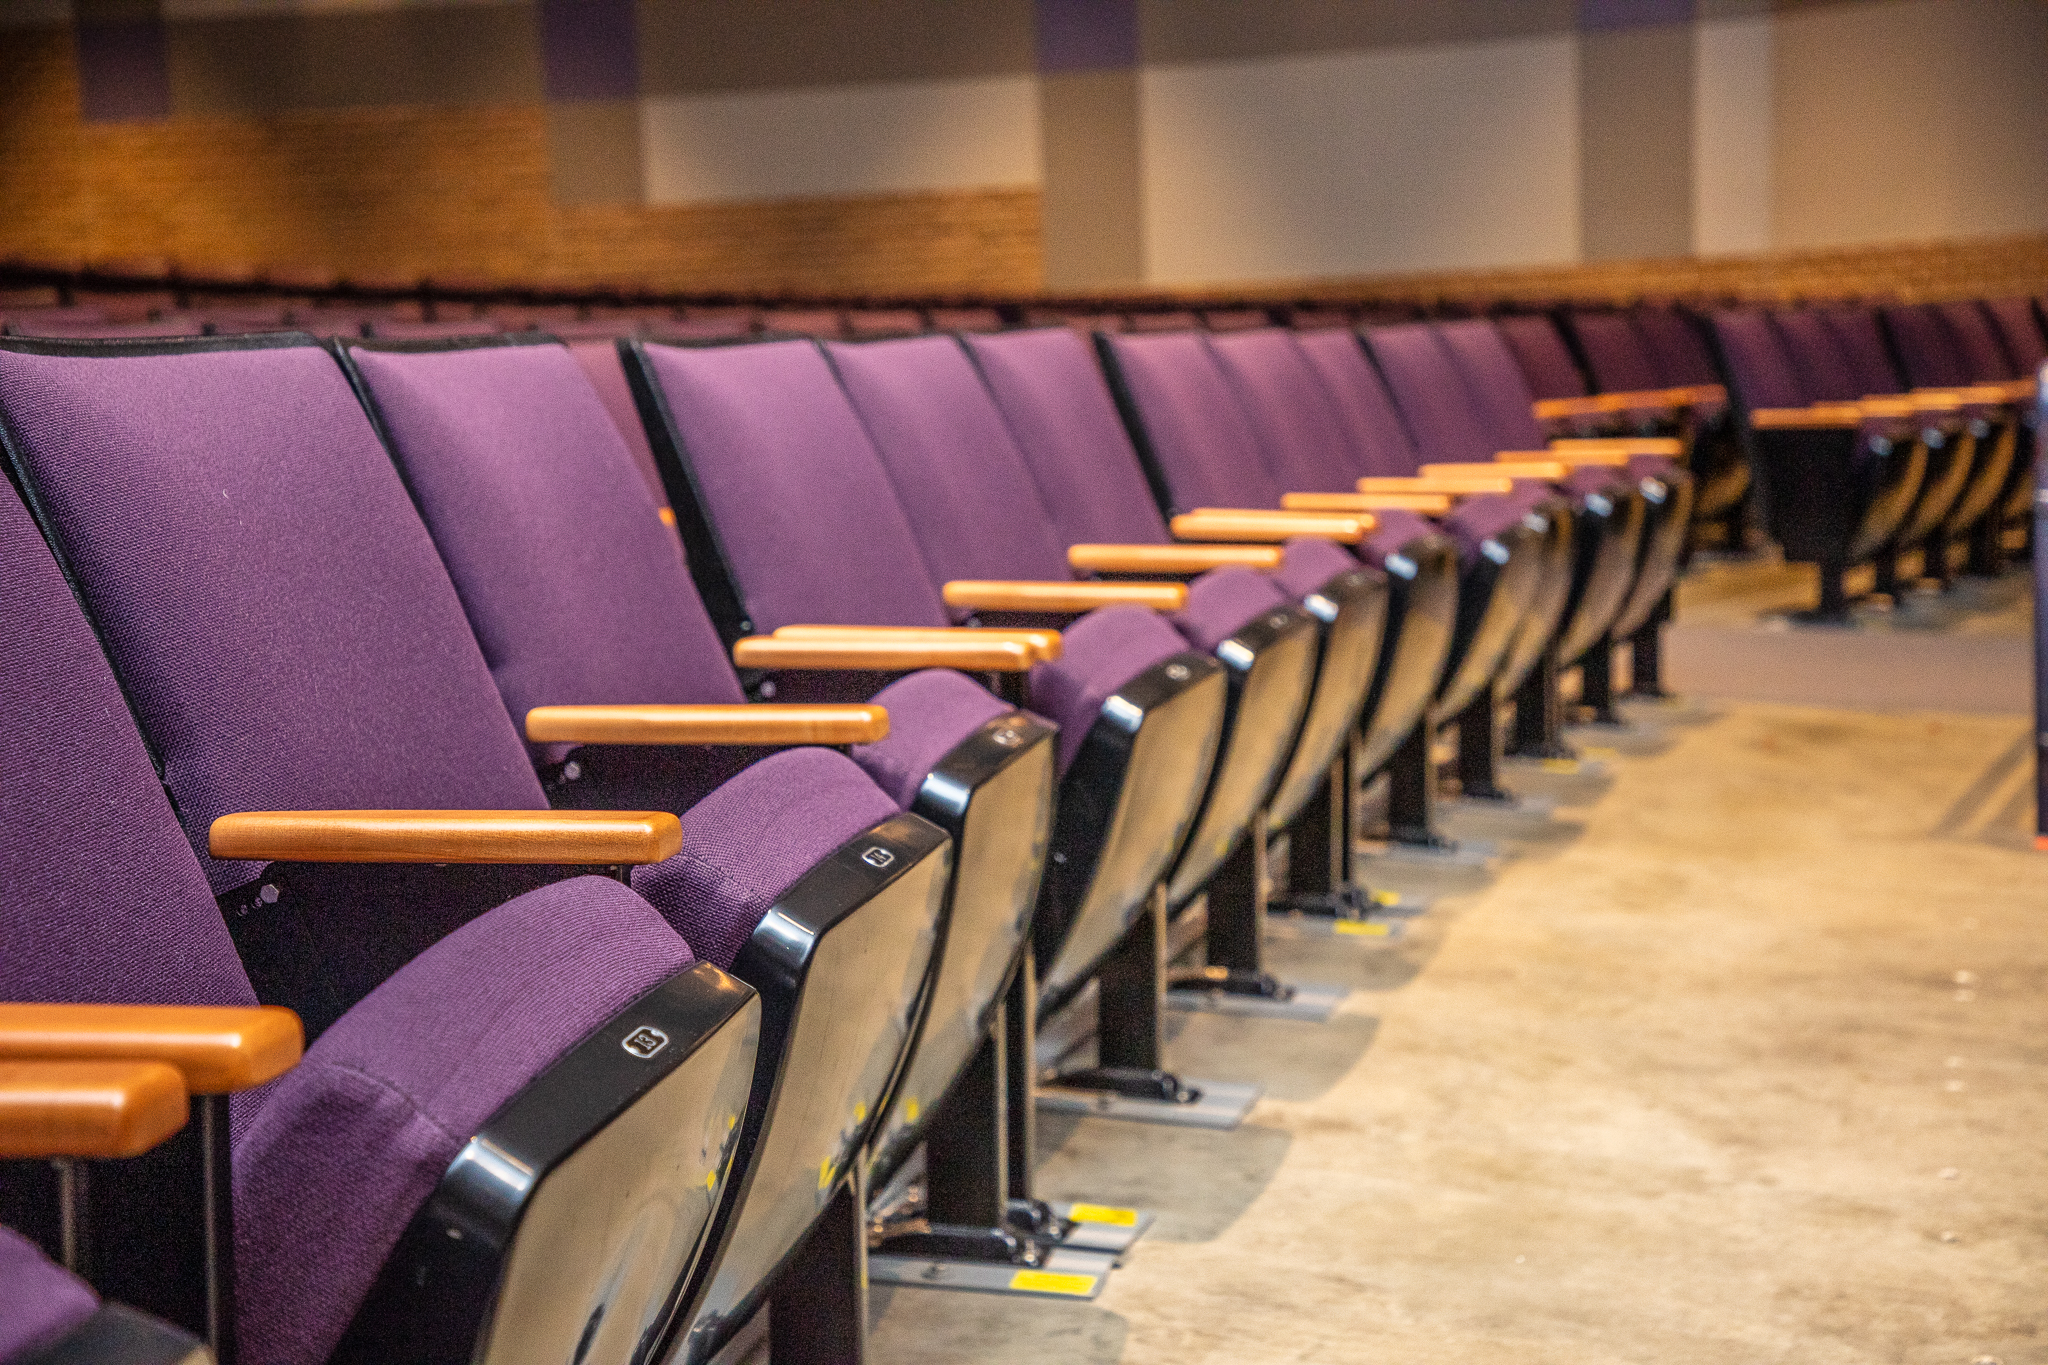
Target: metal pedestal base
x=1215 y=1104
x=1310 y=1003
x=1065 y=1273
x=1442 y=852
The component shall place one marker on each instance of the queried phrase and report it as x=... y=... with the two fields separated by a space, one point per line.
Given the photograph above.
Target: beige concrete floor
x=1743 y=1059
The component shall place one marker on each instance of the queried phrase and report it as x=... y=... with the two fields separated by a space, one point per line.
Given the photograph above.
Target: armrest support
x=1173 y=559
x=1428 y=504
x=447 y=836
x=972 y=653
x=1223 y=523
x=742 y=724
x=1821 y=416
x=88 y=1109
x=1045 y=645
x=217 y=1049
x=973 y=595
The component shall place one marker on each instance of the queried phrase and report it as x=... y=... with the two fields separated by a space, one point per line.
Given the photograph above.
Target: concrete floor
x=1739 y=1057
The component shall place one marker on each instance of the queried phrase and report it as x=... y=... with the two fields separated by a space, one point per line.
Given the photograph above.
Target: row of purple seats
x=477 y=1011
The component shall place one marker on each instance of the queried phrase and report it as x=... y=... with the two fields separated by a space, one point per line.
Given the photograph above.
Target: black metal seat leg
x=818 y=1306
x=1411 y=791
x=1538 y=730
x=1479 y=752
x=1596 y=678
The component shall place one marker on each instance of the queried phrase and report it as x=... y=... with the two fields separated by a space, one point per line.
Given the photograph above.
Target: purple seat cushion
x=1393 y=533
x=1224 y=601
x=338 y=1153
x=40 y=1301
x=1059 y=408
x=1759 y=370
x=1430 y=393
x=105 y=901
x=1493 y=379
x=1371 y=422
x=956 y=470
x=1100 y=653
x=1546 y=362
x=801 y=499
x=929 y=713
x=1862 y=344
x=748 y=841
x=1474 y=521
x=1306 y=446
x=1309 y=563
x=1200 y=436
x=576 y=590
x=1619 y=355
x=1825 y=374
x=287 y=633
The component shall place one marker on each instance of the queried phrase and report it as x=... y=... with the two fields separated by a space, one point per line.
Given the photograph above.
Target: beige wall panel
x=1635 y=142
x=1093 y=211
x=851 y=139
x=1416 y=158
x=1909 y=120
x=1732 y=136
x=594 y=152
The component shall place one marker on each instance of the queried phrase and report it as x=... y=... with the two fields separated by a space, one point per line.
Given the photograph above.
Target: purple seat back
x=104 y=902
x=41 y=1303
x=1430 y=393
x=600 y=363
x=1060 y=410
x=810 y=322
x=1676 y=347
x=1372 y=425
x=1546 y=362
x=1856 y=332
x=1495 y=382
x=1759 y=370
x=802 y=502
x=1983 y=354
x=2020 y=328
x=1174 y=321
x=883 y=322
x=287 y=634
x=1927 y=351
x=1825 y=374
x=1306 y=445
x=406 y=329
x=964 y=320
x=1618 y=354
x=955 y=468
x=1191 y=424
x=575 y=589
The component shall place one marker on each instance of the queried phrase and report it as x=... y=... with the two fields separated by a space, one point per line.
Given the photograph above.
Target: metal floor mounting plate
x=1324 y=926
x=1223 y=1104
x=1103 y=1228
x=1311 y=1003
x=1465 y=853
x=1066 y=1274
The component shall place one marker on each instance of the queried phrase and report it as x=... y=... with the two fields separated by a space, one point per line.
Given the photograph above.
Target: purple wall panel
x=1086 y=35
x=589 y=49
x=123 y=74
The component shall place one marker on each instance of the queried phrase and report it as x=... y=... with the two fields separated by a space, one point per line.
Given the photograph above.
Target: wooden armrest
x=88 y=1109
x=1187 y=559
x=1481 y=479
x=1907 y=405
x=2015 y=390
x=1045 y=645
x=1820 y=416
x=742 y=724
x=1222 y=523
x=1556 y=409
x=1697 y=395
x=217 y=1049
x=975 y=651
x=1429 y=504
x=973 y=595
x=1626 y=447
x=447 y=836
x=1537 y=466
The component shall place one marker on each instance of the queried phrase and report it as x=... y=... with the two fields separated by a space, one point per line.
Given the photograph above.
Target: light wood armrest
x=1429 y=504
x=1045 y=645
x=741 y=724
x=1580 y=450
x=1820 y=416
x=1557 y=409
x=1187 y=559
x=88 y=1109
x=1537 y=466
x=975 y=652
x=1481 y=479
x=447 y=836
x=1906 y=405
x=973 y=595
x=2015 y=390
x=1221 y=523
x=1696 y=395
x=217 y=1049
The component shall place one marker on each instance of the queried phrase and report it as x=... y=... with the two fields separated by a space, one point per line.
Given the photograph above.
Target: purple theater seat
x=108 y=903
x=1676 y=347
x=1927 y=350
x=600 y=363
x=1618 y=354
x=1862 y=344
x=1174 y=320
x=1826 y=374
x=883 y=322
x=1441 y=418
x=167 y=327
x=964 y=320
x=807 y=322
x=1984 y=355
x=409 y=329
x=1546 y=362
x=1236 y=319
x=40 y=1301
x=2019 y=327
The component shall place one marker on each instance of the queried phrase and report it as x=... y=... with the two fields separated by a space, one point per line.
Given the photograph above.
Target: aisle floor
x=1741 y=1056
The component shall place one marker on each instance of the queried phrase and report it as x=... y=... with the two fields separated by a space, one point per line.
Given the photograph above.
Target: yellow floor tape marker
x=1104 y=1213
x=1361 y=928
x=1053 y=1282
